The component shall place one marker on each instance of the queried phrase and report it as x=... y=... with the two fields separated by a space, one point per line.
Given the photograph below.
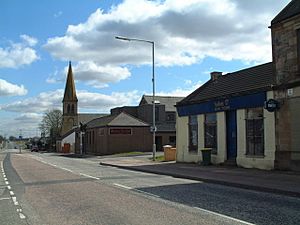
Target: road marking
x=224 y=216
x=86 y=175
x=5 y=179
x=11 y=193
x=66 y=169
x=22 y=216
x=6 y=182
x=147 y=193
x=9 y=187
x=122 y=186
x=4 y=199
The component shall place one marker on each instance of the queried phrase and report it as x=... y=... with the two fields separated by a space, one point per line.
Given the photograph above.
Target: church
x=71 y=118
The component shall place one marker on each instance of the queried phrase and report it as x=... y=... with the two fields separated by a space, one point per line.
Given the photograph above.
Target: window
x=255 y=132
x=170 y=117
x=156 y=114
x=210 y=131
x=72 y=109
x=68 y=109
x=193 y=133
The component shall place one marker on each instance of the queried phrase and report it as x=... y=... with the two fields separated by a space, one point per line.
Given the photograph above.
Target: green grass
x=160 y=158
x=129 y=153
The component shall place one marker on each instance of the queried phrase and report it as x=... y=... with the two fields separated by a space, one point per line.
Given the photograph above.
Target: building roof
x=120 y=120
x=292 y=9
x=70 y=91
x=168 y=101
x=86 y=117
x=242 y=82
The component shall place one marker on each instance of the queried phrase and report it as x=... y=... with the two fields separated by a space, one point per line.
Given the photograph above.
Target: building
x=116 y=133
x=71 y=118
x=165 y=117
x=249 y=117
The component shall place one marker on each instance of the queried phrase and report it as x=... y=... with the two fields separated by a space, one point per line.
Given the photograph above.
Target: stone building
x=285 y=28
x=249 y=117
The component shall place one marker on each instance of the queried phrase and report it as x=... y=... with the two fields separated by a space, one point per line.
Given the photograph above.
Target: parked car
x=34 y=148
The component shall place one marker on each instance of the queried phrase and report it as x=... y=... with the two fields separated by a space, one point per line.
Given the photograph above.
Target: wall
x=70 y=139
x=221 y=155
x=103 y=143
x=261 y=162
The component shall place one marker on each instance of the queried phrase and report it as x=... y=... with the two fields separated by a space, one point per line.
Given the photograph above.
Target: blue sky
x=193 y=38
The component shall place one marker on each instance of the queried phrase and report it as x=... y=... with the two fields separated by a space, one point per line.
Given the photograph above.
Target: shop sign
x=271 y=105
x=122 y=131
x=222 y=105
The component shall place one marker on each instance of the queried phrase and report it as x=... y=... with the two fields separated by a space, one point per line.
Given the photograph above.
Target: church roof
x=70 y=91
x=292 y=9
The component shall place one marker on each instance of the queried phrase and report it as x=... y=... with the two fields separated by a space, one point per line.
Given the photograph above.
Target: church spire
x=70 y=91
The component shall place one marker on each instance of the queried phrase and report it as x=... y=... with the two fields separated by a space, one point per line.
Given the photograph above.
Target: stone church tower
x=70 y=104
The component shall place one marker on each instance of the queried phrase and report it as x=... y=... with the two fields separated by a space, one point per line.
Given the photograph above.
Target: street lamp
x=153 y=86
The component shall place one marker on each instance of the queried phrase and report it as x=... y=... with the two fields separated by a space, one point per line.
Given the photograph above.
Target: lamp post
x=153 y=87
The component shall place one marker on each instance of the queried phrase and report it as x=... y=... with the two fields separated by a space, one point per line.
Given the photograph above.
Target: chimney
x=215 y=75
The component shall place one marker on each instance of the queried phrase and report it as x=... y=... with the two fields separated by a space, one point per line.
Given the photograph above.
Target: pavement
x=276 y=182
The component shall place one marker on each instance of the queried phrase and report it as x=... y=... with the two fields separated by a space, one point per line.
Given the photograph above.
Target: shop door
x=231 y=134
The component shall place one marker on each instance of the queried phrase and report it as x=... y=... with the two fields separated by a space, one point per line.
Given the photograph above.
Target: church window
x=68 y=109
x=72 y=108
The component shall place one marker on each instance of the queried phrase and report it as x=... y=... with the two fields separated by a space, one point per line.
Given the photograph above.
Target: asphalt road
x=51 y=189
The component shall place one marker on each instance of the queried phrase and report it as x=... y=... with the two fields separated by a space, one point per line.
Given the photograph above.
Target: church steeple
x=70 y=107
x=70 y=91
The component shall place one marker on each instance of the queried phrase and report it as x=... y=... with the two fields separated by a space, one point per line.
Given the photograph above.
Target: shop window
x=193 y=133
x=210 y=131
x=255 y=132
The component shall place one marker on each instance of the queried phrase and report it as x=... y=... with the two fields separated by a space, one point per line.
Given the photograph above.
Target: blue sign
x=223 y=104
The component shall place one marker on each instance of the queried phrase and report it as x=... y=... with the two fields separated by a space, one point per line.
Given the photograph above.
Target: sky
x=192 y=38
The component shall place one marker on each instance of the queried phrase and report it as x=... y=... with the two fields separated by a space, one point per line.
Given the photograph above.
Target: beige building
x=249 y=117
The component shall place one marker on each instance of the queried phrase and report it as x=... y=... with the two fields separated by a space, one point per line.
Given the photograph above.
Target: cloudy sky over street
x=192 y=38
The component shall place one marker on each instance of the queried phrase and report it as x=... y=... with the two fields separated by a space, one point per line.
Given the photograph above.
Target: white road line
x=224 y=216
x=5 y=179
x=147 y=193
x=66 y=169
x=22 y=216
x=11 y=193
x=86 y=175
x=6 y=182
x=9 y=187
x=122 y=186
x=4 y=199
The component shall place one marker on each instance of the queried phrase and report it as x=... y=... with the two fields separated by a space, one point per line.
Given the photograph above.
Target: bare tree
x=51 y=125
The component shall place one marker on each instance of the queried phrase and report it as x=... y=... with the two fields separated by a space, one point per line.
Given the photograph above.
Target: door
x=231 y=134
x=158 y=142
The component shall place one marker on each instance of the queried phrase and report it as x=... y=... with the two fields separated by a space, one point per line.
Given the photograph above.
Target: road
x=50 y=189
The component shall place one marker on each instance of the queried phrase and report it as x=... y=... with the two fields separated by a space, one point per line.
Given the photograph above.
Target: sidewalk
x=279 y=182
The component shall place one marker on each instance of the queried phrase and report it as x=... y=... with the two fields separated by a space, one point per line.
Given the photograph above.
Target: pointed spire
x=70 y=91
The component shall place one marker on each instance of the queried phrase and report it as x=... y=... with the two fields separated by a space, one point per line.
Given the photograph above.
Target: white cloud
x=18 y=54
x=181 y=92
x=87 y=101
x=9 y=89
x=92 y=74
x=31 y=41
x=58 y=14
x=185 y=32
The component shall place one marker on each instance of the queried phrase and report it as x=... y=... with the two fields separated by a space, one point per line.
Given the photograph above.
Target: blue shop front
x=234 y=121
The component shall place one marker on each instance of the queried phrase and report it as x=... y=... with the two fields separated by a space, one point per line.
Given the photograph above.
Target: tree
x=51 y=125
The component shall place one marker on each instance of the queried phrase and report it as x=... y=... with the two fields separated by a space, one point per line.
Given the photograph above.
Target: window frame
x=193 y=127
x=254 y=124
x=208 y=123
